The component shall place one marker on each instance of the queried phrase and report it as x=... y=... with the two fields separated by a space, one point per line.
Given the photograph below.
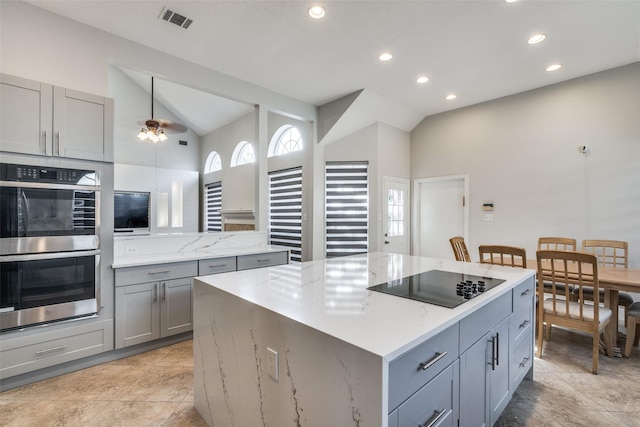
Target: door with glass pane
x=396 y=215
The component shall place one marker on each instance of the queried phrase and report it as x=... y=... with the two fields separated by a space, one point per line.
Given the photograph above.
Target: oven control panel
x=26 y=173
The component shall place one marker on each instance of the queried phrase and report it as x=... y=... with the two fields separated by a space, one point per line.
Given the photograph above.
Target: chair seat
x=634 y=309
x=574 y=311
x=624 y=298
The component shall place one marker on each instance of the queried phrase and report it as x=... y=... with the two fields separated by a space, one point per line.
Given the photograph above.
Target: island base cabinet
x=434 y=405
x=149 y=311
x=484 y=378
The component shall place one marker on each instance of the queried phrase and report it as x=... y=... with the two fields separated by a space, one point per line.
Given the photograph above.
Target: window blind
x=346 y=208
x=285 y=210
x=214 y=204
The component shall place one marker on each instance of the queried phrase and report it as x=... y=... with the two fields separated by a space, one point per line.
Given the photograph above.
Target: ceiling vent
x=175 y=18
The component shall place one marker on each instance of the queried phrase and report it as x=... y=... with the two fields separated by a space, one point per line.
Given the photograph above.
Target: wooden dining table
x=613 y=280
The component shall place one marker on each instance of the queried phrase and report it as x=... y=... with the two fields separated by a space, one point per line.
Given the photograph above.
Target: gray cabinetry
x=484 y=365
x=216 y=265
x=522 y=328
x=153 y=302
x=37 y=118
x=246 y=262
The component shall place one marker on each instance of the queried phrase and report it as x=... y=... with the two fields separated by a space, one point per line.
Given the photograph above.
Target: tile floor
x=156 y=389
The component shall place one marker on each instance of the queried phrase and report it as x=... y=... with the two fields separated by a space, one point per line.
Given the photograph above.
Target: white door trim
x=415 y=245
x=402 y=181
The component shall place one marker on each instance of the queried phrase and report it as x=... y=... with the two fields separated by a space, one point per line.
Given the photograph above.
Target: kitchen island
x=309 y=345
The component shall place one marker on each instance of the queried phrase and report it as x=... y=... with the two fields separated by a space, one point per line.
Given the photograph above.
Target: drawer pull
x=263 y=259
x=217 y=265
x=524 y=362
x=426 y=365
x=525 y=293
x=51 y=350
x=159 y=272
x=524 y=324
x=435 y=418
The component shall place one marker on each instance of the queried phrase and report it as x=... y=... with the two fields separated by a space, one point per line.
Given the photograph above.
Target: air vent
x=175 y=18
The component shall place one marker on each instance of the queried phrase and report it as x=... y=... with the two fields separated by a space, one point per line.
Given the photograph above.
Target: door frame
x=417 y=182
x=407 y=182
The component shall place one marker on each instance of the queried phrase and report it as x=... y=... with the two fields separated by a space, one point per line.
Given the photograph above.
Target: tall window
x=242 y=154
x=214 y=204
x=286 y=140
x=346 y=208
x=213 y=163
x=285 y=210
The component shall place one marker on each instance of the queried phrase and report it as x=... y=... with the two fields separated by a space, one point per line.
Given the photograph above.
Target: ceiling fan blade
x=173 y=127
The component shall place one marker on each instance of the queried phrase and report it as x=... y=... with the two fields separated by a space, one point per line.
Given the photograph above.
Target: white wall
x=521 y=152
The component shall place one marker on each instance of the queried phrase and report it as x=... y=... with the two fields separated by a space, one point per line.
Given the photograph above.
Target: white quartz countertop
x=190 y=255
x=332 y=297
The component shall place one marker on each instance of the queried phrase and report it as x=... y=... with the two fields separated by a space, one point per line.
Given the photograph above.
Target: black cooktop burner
x=438 y=287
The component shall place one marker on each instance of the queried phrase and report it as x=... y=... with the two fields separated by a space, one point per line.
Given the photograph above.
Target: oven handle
x=48 y=255
x=47 y=186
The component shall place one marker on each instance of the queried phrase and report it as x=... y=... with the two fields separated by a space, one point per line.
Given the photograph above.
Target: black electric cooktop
x=443 y=288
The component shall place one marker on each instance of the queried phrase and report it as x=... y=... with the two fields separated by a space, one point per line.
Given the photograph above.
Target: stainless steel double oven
x=49 y=244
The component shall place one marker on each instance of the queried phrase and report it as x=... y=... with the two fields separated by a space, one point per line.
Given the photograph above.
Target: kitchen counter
x=327 y=329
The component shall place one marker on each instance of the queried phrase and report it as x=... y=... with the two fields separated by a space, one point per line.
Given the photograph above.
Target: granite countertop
x=190 y=255
x=332 y=297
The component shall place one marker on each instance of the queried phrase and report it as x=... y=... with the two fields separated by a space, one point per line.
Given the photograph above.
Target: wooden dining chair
x=460 y=249
x=503 y=255
x=566 y=268
x=556 y=244
x=633 y=328
x=611 y=253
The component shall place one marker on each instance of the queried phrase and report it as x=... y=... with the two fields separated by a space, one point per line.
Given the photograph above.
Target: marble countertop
x=191 y=255
x=332 y=297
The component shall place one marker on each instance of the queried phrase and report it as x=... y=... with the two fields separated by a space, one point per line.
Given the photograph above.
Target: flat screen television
x=131 y=211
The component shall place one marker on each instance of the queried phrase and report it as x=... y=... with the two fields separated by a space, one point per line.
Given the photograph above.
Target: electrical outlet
x=488 y=217
x=131 y=250
x=272 y=363
x=232 y=243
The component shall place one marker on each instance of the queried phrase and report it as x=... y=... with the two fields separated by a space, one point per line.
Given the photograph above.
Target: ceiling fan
x=155 y=128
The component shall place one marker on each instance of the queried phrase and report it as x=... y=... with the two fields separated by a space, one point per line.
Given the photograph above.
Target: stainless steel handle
x=49 y=186
x=58 y=145
x=493 y=354
x=435 y=418
x=49 y=255
x=217 y=265
x=51 y=350
x=164 y=291
x=527 y=292
x=263 y=259
x=498 y=348
x=524 y=362
x=155 y=292
x=159 y=272
x=426 y=365
x=45 y=142
x=524 y=324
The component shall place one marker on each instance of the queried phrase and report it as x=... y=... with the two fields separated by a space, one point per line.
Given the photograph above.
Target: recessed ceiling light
x=316 y=12
x=450 y=97
x=422 y=79
x=537 y=38
x=510 y=1
x=554 y=67
x=386 y=56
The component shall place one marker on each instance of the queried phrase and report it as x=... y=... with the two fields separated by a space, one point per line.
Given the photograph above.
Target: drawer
x=43 y=350
x=521 y=325
x=474 y=326
x=521 y=362
x=524 y=295
x=246 y=262
x=419 y=365
x=434 y=404
x=153 y=273
x=216 y=265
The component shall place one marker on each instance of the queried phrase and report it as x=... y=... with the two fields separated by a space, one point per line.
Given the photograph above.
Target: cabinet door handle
x=164 y=291
x=426 y=365
x=524 y=362
x=527 y=292
x=263 y=259
x=498 y=348
x=435 y=418
x=45 y=142
x=51 y=350
x=159 y=272
x=58 y=145
x=493 y=354
x=155 y=292
x=524 y=324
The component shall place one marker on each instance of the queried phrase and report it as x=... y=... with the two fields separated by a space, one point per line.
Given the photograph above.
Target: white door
x=396 y=215
x=441 y=212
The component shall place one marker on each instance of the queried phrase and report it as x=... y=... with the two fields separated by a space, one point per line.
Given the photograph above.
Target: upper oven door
x=38 y=217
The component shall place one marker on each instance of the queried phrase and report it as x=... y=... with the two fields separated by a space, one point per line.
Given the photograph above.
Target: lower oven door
x=41 y=288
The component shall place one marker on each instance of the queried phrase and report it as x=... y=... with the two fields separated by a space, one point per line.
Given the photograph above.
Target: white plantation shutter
x=346 y=208
x=214 y=204
x=285 y=210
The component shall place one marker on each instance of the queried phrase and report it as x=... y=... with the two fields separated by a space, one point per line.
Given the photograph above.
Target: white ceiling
x=476 y=49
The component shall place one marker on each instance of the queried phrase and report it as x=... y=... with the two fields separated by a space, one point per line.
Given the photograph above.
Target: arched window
x=286 y=140
x=242 y=154
x=213 y=163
